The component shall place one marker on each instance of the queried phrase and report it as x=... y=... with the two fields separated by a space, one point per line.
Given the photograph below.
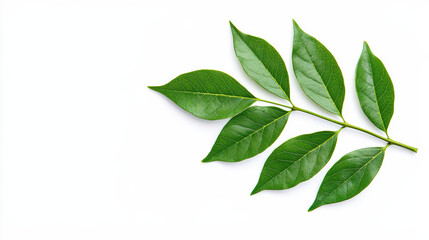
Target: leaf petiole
x=344 y=124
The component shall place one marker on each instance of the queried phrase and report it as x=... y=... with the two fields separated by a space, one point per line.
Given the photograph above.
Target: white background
x=89 y=152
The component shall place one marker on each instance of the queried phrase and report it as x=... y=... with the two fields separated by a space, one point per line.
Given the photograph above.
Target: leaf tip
x=296 y=26
x=233 y=28
x=312 y=207
x=153 y=87
x=255 y=191
x=366 y=46
x=206 y=159
x=294 y=22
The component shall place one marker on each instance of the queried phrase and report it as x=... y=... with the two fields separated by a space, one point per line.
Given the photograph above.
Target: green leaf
x=374 y=89
x=296 y=160
x=317 y=71
x=208 y=94
x=248 y=134
x=261 y=62
x=349 y=176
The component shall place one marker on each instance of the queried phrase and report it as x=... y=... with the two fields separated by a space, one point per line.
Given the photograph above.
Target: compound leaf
x=248 y=134
x=349 y=176
x=208 y=94
x=296 y=160
x=261 y=62
x=317 y=71
x=374 y=89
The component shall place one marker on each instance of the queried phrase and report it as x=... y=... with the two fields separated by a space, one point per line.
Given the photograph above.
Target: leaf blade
x=374 y=89
x=296 y=160
x=317 y=72
x=207 y=94
x=261 y=62
x=248 y=134
x=349 y=176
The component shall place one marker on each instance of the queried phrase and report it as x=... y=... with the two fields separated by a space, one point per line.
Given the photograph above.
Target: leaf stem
x=344 y=124
x=278 y=104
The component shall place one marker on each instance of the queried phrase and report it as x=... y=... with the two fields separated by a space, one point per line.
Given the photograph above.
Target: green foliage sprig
x=212 y=95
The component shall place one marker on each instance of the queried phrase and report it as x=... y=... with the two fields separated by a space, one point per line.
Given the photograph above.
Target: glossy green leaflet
x=212 y=95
